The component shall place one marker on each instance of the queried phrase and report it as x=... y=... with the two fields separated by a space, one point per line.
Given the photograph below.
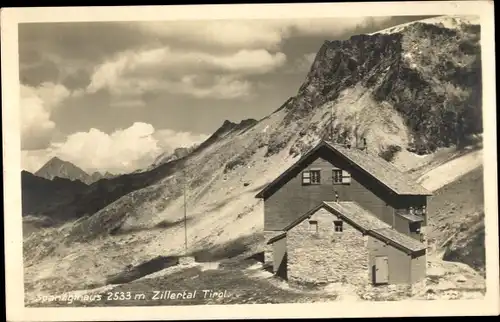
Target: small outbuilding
x=342 y=242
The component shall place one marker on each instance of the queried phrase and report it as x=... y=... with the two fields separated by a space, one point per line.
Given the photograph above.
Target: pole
x=331 y=124
x=185 y=213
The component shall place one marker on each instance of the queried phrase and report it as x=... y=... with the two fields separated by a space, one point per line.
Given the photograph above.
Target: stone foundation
x=326 y=256
x=268 y=249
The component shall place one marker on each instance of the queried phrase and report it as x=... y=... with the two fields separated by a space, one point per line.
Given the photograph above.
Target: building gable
x=347 y=211
x=290 y=173
x=363 y=221
x=387 y=175
x=322 y=246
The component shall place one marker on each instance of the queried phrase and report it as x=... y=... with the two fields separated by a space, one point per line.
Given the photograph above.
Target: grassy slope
x=457 y=224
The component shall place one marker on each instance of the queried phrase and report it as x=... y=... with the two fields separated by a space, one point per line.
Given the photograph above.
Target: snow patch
x=451 y=170
x=450 y=22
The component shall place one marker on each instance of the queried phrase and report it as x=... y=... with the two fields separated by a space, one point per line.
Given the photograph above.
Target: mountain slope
x=457 y=224
x=96 y=176
x=105 y=192
x=56 y=167
x=39 y=193
x=167 y=157
x=402 y=89
x=429 y=74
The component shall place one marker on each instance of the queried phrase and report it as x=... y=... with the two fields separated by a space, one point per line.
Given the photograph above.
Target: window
x=315 y=176
x=337 y=224
x=313 y=226
x=311 y=177
x=341 y=176
x=420 y=211
x=415 y=227
x=337 y=176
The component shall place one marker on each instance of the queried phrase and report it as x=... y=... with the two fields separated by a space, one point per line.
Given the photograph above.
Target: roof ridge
x=379 y=232
x=377 y=159
x=386 y=174
x=365 y=229
x=366 y=151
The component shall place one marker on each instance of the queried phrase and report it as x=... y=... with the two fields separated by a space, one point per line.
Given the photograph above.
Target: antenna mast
x=185 y=211
x=331 y=124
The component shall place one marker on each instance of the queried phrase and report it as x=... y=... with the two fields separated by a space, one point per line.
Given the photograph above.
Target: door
x=381 y=270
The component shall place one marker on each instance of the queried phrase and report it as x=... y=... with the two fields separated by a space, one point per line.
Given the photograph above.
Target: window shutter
x=346 y=177
x=306 y=177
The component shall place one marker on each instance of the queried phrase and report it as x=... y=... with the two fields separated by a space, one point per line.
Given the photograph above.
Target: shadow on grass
x=229 y=250
x=237 y=254
x=239 y=288
x=164 y=224
x=259 y=188
x=143 y=269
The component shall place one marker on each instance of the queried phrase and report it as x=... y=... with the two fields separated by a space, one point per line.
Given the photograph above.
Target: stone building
x=341 y=214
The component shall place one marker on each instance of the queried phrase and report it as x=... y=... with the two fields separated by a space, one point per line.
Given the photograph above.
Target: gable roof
x=350 y=211
x=410 y=217
x=277 y=237
x=364 y=221
x=384 y=172
x=398 y=238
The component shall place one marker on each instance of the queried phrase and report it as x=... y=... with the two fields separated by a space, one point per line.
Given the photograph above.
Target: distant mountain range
x=57 y=182
x=40 y=194
x=56 y=167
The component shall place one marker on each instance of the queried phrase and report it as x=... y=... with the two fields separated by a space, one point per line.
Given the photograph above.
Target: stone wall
x=327 y=256
x=268 y=249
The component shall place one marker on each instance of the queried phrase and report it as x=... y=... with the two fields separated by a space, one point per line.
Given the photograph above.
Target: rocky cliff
x=428 y=73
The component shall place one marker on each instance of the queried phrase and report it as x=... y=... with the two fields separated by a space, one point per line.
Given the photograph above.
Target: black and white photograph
x=277 y=159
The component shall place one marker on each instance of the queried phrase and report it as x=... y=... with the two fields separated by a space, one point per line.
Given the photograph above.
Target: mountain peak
x=57 y=167
x=56 y=160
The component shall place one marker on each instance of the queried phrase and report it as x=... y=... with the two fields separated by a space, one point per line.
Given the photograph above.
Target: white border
x=10 y=17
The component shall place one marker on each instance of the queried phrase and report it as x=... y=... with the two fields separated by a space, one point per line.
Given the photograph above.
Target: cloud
x=252 y=33
x=220 y=87
x=248 y=34
x=168 y=139
x=149 y=56
x=248 y=47
x=334 y=27
x=67 y=52
x=124 y=150
x=121 y=149
x=37 y=104
x=164 y=69
x=32 y=160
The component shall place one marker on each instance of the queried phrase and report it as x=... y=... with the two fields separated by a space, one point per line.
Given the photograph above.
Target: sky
x=111 y=96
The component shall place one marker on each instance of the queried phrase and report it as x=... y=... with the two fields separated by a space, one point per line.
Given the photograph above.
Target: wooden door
x=381 y=270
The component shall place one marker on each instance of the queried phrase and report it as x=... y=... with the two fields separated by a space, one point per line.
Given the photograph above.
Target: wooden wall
x=399 y=262
x=294 y=199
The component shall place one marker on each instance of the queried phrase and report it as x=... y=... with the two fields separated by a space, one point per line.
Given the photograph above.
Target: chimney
x=362 y=144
